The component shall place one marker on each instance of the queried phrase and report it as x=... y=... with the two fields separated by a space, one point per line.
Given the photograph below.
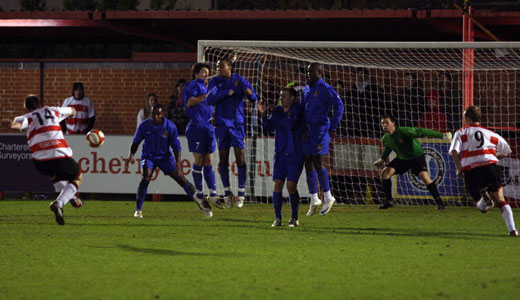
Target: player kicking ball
x=476 y=151
x=285 y=120
x=159 y=135
x=410 y=155
x=51 y=154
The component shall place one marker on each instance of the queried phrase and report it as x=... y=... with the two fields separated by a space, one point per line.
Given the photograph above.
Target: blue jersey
x=201 y=111
x=229 y=110
x=317 y=101
x=157 y=139
x=288 y=127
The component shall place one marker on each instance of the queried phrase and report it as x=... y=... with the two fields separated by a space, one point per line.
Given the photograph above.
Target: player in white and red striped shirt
x=51 y=154
x=476 y=150
x=85 y=117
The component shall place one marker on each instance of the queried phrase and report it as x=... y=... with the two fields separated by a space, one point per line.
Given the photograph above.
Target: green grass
x=355 y=252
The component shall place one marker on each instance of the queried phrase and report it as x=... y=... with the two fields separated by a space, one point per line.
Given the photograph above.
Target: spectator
x=85 y=116
x=410 y=103
x=365 y=103
x=433 y=118
x=176 y=108
x=450 y=99
x=144 y=113
x=340 y=88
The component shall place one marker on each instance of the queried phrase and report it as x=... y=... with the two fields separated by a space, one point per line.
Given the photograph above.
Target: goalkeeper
x=410 y=155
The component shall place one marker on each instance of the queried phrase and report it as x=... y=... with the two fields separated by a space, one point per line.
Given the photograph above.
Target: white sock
x=67 y=193
x=507 y=214
x=314 y=197
x=327 y=196
x=58 y=186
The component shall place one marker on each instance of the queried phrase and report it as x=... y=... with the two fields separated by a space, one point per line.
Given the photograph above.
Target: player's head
x=287 y=96
x=32 y=102
x=225 y=67
x=472 y=114
x=200 y=71
x=157 y=113
x=388 y=123
x=314 y=72
x=151 y=100
x=77 y=90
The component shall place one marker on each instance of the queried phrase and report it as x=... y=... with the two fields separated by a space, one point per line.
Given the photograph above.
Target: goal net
x=420 y=84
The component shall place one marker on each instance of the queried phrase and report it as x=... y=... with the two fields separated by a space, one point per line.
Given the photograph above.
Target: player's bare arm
x=130 y=158
x=456 y=159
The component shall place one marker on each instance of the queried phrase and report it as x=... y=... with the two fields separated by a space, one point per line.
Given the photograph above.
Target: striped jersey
x=84 y=110
x=44 y=134
x=478 y=146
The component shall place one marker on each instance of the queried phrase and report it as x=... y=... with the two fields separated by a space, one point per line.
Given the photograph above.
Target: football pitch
x=354 y=252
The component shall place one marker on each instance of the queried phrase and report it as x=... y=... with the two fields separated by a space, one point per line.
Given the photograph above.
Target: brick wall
x=118 y=90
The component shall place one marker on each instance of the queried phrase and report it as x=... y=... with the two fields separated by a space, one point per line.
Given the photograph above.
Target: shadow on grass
x=158 y=251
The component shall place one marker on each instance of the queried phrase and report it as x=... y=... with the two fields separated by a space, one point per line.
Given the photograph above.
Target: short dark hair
x=32 y=102
x=180 y=81
x=340 y=82
x=413 y=75
x=195 y=69
x=291 y=91
x=362 y=70
x=473 y=113
x=389 y=117
x=228 y=61
x=78 y=86
x=157 y=106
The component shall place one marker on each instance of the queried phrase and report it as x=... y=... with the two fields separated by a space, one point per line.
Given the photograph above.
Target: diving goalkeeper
x=410 y=155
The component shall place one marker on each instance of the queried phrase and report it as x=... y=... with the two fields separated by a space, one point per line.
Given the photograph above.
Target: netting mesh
x=421 y=87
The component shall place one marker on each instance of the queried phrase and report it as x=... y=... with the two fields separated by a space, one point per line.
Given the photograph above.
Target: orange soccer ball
x=95 y=138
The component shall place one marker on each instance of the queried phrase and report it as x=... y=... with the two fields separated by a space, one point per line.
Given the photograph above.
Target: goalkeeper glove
x=378 y=163
x=447 y=136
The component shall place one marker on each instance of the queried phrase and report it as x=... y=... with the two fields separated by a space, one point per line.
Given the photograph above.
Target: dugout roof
x=186 y=27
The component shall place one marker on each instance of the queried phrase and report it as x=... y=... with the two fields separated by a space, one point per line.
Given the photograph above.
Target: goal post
x=424 y=84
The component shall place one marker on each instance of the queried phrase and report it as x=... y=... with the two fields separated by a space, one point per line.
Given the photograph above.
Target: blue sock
x=323 y=176
x=142 y=190
x=312 y=182
x=224 y=176
x=197 y=179
x=189 y=189
x=294 y=199
x=242 y=180
x=209 y=176
x=277 y=204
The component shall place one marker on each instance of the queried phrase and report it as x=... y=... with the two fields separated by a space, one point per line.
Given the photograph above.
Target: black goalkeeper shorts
x=417 y=165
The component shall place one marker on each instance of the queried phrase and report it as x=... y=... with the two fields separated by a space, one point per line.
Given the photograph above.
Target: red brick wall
x=118 y=90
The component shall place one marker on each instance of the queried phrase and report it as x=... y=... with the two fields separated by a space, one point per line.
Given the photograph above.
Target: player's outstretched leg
x=202 y=203
x=58 y=212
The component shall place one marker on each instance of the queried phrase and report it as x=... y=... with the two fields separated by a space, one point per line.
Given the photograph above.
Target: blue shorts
x=317 y=142
x=228 y=137
x=287 y=166
x=201 y=137
x=166 y=164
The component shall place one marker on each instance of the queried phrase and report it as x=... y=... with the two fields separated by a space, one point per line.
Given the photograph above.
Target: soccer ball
x=95 y=138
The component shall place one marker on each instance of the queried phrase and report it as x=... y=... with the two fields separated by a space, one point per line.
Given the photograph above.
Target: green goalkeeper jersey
x=404 y=142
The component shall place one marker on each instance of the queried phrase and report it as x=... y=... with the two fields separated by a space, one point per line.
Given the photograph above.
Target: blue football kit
x=288 y=157
x=199 y=132
x=317 y=101
x=157 y=142
x=229 y=110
